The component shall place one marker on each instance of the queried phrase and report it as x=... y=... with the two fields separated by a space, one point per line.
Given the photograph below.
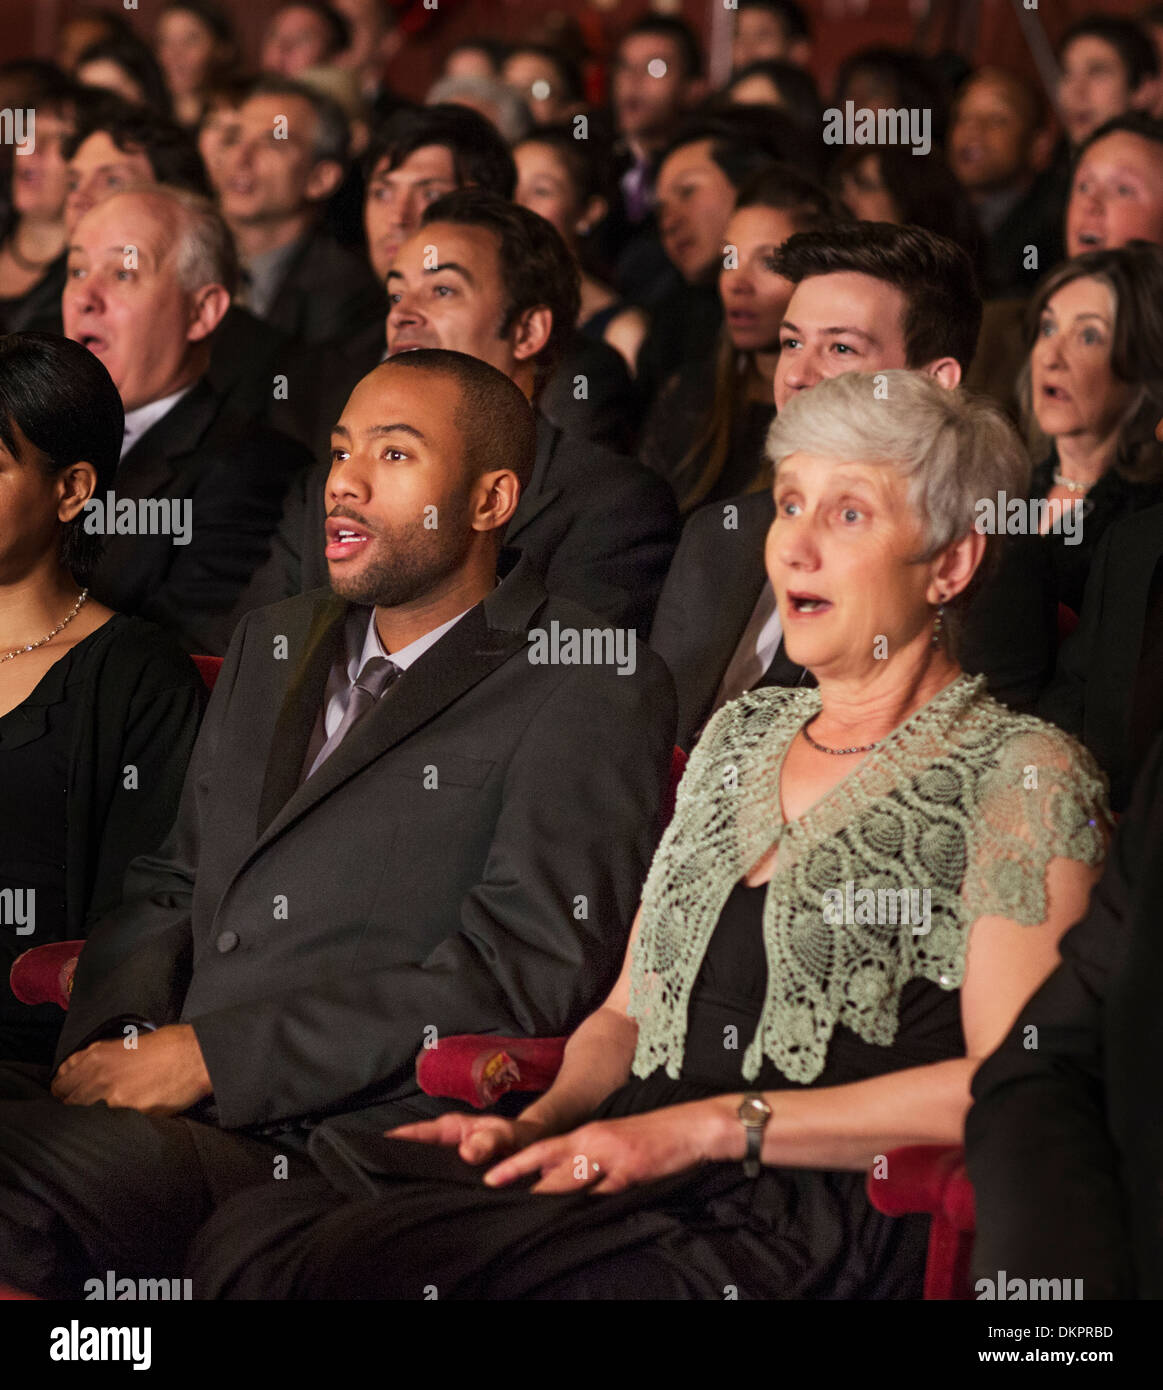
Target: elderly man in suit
x=199 y=490
x=398 y=825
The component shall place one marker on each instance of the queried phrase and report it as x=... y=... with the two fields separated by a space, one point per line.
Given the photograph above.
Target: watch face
x=754 y=1111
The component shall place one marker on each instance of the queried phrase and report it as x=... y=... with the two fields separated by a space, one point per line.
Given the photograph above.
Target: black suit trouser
x=85 y=1189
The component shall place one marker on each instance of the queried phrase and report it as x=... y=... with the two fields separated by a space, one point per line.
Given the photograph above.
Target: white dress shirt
x=146 y=416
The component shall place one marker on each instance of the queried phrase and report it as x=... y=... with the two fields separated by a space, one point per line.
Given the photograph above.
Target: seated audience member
x=782 y=85
x=475 y=58
x=125 y=65
x=116 y=146
x=566 y=181
x=598 y=527
x=85 y=693
x=999 y=149
x=708 y=426
x=295 y=276
x=1096 y=349
x=375 y=41
x=891 y=297
x=877 y=79
x=301 y=1033
x=1117 y=191
x=699 y=176
x=32 y=226
x=547 y=80
x=894 y=184
x=770 y=30
x=217 y=479
x=1063 y=1141
x=1108 y=67
x=704 y=1165
x=197 y=49
x=1108 y=686
x=303 y=34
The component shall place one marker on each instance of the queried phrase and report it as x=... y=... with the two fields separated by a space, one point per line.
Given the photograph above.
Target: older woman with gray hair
x=861 y=886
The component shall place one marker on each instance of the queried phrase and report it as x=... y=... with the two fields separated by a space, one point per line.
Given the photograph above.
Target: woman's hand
x=477 y=1138
x=611 y=1155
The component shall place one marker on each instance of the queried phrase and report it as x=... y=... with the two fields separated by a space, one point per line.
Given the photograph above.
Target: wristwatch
x=754 y=1113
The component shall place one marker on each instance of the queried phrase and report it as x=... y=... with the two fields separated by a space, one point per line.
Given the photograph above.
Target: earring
x=938 y=625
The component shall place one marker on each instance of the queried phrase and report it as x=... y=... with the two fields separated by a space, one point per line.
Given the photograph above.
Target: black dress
x=707 y=1233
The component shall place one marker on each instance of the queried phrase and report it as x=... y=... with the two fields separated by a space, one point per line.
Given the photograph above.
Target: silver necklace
x=1070 y=485
x=32 y=646
x=837 y=752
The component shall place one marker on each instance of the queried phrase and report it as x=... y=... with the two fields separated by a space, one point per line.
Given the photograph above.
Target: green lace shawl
x=965 y=798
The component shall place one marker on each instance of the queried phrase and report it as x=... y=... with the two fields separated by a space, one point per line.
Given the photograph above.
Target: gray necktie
x=377 y=674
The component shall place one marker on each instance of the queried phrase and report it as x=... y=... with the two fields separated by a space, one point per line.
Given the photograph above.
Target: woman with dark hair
x=892 y=183
x=1094 y=383
x=197 y=50
x=126 y=65
x=98 y=711
x=706 y=429
x=782 y=85
x=568 y=182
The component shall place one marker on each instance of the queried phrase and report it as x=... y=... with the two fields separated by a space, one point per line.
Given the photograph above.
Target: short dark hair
x=1130 y=123
x=338 y=29
x=942 y=302
x=801 y=98
x=479 y=155
x=494 y=418
x=786 y=189
x=535 y=264
x=589 y=162
x=64 y=402
x=332 y=134
x=1136 y=51
x=172 y=154
x=789 y=14
x=667 y=26
x=739 y=144
x=135 y=57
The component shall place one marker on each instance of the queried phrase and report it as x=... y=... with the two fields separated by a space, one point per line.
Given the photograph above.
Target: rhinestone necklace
x=19 y=651
x=1070 y=485
x=820 y=748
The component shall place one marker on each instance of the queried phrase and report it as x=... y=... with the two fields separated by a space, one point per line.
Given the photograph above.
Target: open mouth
x=1054 y=393
x=93 y=342
x=805 y=605
x=1090 y=240
x=344 y=539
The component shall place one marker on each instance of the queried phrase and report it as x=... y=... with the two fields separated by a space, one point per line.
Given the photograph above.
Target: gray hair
x=205 y=252
x=953 y=448
x=510 y=115
x=332 y=136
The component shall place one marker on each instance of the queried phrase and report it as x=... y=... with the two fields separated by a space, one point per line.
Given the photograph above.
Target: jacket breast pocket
x=444 y=769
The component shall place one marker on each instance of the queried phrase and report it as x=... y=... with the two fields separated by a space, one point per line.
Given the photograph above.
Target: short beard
x=412 y=563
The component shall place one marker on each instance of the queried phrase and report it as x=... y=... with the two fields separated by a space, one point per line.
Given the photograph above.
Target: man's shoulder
x=718 y=528
x=323 y=256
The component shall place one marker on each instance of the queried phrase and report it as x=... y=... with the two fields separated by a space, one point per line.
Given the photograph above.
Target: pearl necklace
x=32 y=646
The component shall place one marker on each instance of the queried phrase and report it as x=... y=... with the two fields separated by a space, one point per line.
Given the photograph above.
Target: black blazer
x=717 y=575
x=327 y=293
x=1065 y=1139
x=469 y=860
x=598 y=527
x=1101 y=681
x=234 y=475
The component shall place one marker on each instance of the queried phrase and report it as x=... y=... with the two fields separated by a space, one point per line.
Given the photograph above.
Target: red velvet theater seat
x=932 y=1178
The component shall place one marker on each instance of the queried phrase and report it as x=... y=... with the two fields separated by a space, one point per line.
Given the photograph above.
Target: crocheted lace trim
x=965 y=799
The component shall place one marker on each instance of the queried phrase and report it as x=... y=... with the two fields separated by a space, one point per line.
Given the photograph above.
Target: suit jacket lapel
x=148 y=466
x=485 y=637
x=301 y=706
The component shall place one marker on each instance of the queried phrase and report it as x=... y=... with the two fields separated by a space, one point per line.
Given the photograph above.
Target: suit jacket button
x=227 y=941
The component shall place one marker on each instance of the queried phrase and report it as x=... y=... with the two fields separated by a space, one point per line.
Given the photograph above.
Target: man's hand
x=163 y=1074
x=476 y=1137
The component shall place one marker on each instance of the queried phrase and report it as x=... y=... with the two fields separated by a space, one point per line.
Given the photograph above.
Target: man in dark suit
x=1108 y=686
x=286 y=159
x=600 y=528
x=198 y=492
x=891 y=297
x=390 y=833
x=1065 y=1138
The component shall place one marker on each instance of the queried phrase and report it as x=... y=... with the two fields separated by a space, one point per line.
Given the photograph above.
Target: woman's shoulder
x=1023 y=739
x=758 y=716
x=142 y=656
